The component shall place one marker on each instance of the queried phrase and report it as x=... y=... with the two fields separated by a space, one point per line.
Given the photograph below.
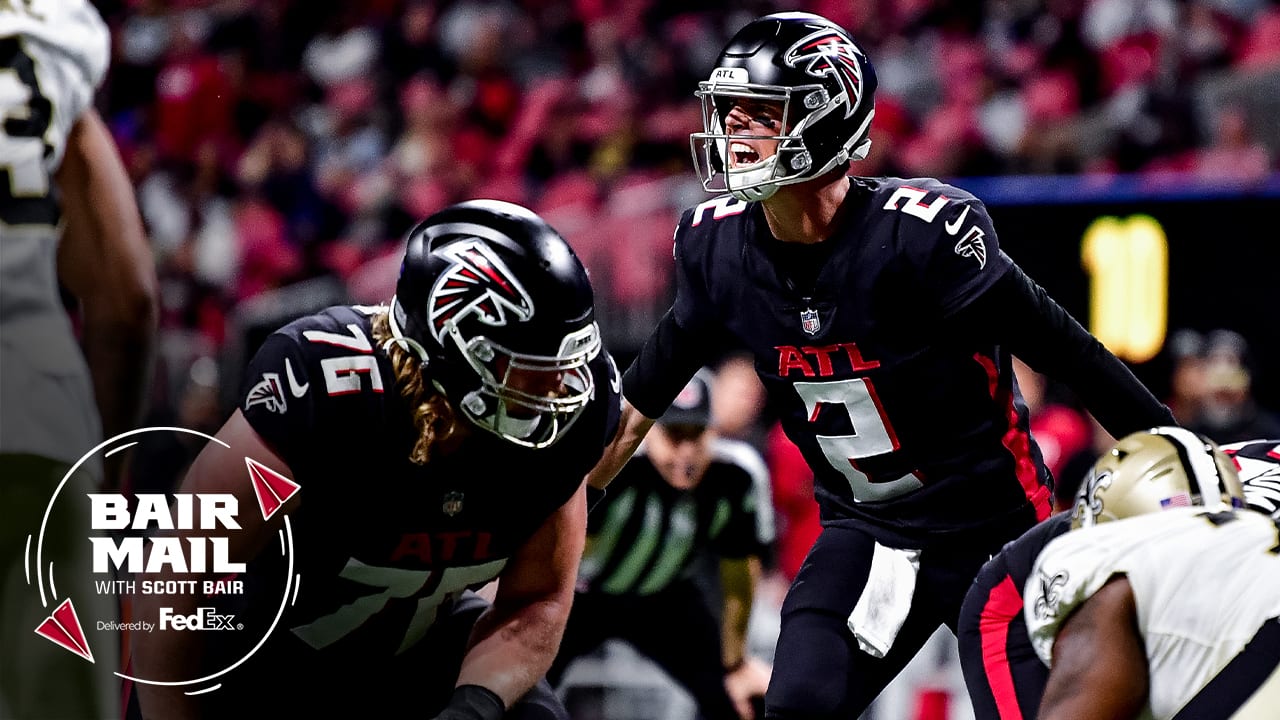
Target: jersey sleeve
x=692 y=306
x=276 y=396
x=684 y=339
x=744 y=524
x=964 y=258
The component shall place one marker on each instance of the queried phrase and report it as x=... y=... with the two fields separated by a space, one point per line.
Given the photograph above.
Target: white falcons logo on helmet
x=827 y=52
x=477 y=282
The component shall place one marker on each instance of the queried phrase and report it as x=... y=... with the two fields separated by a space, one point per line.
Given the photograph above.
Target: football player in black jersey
x=883 y=318
x=439 y=444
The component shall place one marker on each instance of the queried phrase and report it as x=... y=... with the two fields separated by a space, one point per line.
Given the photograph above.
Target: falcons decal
x=826 y=53
x=269 y=393
x=477 y=283
x=971 y=245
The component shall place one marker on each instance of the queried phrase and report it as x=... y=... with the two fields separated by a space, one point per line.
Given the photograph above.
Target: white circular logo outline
x=286 y=539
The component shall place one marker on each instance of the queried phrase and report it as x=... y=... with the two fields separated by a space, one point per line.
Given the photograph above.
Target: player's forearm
x=106 y=262
x=119 y=352
x=737 y=585
x=511 y=651
x=632 y=427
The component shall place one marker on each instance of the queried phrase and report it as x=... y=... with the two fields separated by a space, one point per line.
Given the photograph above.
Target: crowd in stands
x=273 y=141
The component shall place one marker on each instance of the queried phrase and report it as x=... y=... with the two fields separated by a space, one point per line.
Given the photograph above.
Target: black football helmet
x=824 y=83
x=500 y=310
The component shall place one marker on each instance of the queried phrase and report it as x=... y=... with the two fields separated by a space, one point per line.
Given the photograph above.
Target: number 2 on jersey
x=871 y=436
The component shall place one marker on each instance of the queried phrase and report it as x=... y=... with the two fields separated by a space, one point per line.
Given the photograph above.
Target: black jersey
x=911 y=432
x=645 y=534
x=1005 y=677
x=382 y=543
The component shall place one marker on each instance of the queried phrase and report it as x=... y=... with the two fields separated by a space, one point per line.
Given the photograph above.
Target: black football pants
x=818 y=669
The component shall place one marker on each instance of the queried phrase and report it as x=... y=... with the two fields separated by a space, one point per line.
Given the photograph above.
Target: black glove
x=473 y=702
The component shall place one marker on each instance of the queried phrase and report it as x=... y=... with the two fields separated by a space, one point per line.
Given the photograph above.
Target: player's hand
x=749 y=681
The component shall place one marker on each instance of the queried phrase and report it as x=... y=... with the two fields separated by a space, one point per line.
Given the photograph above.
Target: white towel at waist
x=886 y=599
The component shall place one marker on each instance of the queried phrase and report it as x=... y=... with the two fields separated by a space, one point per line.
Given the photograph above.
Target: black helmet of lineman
x=499 y=308
x=824 y=83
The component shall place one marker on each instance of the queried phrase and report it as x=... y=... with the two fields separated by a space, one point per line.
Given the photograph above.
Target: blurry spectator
x=194 y=97
x=1230 y=412
x=1233 y=154
x=797 y=513
x=344 y=51
x=688 y=494
x=409 y=46
x=1187 y=386
x=738 y=400
x=277 y=166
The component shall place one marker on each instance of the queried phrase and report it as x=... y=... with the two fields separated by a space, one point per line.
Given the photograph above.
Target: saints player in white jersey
x=1148 y=614
x=68 y=220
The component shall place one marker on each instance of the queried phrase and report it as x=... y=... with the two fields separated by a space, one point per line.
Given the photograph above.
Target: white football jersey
x=1205 y=586
x=53 y=55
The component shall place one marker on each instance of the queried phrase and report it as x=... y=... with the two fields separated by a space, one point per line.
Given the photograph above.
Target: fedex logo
x=205 y=618
x=821 y=361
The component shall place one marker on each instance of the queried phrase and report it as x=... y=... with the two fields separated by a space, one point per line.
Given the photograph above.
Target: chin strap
x=755 y=194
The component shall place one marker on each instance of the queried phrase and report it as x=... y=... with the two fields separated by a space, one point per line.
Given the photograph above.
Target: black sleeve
x=1019 y=315
x=664 y=365
x=276 y=397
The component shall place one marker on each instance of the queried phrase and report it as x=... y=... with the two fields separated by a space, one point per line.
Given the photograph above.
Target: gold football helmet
x=1156 y=469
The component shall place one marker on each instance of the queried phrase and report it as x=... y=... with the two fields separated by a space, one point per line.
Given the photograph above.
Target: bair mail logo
x=157 y=562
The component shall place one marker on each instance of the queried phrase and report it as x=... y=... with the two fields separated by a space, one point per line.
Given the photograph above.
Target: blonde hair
x=433 y=416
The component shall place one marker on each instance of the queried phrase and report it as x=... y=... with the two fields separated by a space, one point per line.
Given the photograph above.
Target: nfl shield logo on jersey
x=809 y=321
x=452 y=503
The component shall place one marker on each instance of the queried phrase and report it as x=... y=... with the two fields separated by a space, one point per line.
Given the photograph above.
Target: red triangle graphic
x=63 y=628
x=271 y=488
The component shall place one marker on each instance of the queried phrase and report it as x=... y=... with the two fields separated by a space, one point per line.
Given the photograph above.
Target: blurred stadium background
x=1128 y=151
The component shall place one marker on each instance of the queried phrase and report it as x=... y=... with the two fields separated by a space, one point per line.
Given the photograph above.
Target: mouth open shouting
x=743 y=156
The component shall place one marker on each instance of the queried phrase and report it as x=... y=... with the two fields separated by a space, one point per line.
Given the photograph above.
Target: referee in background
x=686 y=493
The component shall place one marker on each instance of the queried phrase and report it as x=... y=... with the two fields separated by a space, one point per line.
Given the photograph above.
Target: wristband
x=473 y=702
x=742 y=660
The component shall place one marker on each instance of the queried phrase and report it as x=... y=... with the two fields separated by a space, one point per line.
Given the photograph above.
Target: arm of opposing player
x=105 y=261
x=1099 y=664
x=515 y=640
x=175 y=655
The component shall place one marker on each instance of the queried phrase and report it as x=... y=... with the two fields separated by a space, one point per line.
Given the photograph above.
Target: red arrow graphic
x=271 y=488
